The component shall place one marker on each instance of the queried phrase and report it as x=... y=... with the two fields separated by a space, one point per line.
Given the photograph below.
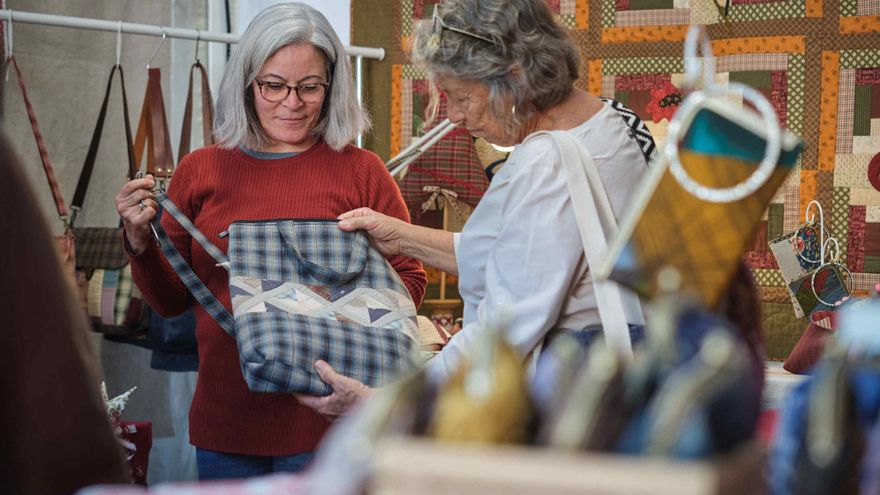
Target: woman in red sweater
x=286 y=113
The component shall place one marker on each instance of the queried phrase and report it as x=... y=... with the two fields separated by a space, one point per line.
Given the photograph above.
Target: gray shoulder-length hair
x=236 y=123
x=530 y=65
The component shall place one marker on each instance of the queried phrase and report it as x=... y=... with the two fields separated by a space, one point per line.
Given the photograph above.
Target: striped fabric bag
x=114 y=304
x=303 y=290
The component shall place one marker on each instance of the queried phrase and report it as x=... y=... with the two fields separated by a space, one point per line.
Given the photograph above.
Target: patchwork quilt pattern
x=365 y=306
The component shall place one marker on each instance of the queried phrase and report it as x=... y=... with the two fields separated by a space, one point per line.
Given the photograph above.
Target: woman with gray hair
x=286 y=113
x=507 y=70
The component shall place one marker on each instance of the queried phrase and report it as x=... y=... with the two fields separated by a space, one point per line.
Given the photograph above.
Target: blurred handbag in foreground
x=691 y=392
x=698 y=208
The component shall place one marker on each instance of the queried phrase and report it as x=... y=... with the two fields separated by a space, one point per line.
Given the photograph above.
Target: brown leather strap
x=141 y=137
x=85 y=175
x=38 y=137
x=153 y=127
x=207 y=113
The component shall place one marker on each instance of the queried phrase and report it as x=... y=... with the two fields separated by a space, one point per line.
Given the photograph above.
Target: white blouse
x=520 y=251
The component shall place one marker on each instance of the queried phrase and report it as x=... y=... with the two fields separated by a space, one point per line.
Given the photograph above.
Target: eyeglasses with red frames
x=275 y=92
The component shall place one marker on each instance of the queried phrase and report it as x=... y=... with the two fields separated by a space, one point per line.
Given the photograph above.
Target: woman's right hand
x=385 y=232
x=136 y=207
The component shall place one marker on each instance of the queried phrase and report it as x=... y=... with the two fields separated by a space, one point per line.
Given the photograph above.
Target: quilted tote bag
x=303 y=290
x=808 y=262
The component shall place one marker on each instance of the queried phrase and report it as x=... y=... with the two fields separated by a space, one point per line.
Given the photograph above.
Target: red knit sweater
x=214 y=187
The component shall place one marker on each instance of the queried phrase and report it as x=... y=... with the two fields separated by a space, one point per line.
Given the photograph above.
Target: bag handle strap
x=38 y=137
x=596 y=224
x=195 y=285
x=357 y=259
x=207 y=113
x=153 y=127
x=85 y=175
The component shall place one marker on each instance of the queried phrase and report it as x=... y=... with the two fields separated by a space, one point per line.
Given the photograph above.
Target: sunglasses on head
x=439 y=26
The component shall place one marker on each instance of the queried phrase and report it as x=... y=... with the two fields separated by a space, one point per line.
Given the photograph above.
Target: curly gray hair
x=530 y=63
x=236 y=122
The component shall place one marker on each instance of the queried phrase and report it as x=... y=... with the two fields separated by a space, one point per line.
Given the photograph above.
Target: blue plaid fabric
x=303 y=290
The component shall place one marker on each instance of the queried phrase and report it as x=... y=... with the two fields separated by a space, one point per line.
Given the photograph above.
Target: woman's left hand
x=346 y=393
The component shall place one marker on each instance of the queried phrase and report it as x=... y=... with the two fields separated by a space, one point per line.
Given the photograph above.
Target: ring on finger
x=142 y=205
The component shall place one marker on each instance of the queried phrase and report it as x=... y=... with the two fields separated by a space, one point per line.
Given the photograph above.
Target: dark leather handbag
x=113 y=302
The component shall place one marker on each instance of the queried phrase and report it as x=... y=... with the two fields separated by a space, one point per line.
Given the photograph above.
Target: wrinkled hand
x=384 y=231
x=136 y=207
x=346 y=393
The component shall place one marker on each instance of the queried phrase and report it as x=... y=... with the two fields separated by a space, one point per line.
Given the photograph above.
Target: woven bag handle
x=357 y=259
x=196 y=287
x=38 y=137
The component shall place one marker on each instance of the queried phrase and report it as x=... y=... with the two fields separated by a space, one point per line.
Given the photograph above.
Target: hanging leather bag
x=173 y=340
x=114 y=303
x=64 y=243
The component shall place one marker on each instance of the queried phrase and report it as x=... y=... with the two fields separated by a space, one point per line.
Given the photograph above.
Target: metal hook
x=697 y=42
x=832 y=258
x=198 y=38
x=119 y=42
x=157 y=48
x=811 y=218
x=9 y=35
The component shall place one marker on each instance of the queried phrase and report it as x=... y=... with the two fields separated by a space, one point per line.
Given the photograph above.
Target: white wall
x=66 y=72
x=338 y=12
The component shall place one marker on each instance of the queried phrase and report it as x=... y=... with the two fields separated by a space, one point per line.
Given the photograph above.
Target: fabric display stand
x=415 y=467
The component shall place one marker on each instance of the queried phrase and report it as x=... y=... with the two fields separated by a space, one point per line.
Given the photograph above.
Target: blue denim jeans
x=588 y=335
x=220 y=465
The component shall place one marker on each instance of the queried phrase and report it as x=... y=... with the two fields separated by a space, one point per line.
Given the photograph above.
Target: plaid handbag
x=113 y=302
x=451 y=164
x=303 y=290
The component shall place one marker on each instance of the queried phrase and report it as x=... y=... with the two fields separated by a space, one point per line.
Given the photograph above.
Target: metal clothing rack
x=152 y=30
x=358 y=52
